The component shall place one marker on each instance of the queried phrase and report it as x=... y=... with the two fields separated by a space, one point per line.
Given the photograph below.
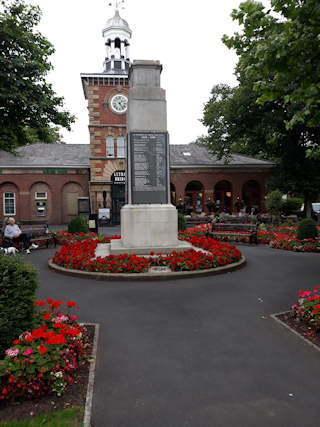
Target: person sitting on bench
x=13 y=233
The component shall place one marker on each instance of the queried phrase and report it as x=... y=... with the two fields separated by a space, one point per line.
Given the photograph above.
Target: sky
x=184 y=35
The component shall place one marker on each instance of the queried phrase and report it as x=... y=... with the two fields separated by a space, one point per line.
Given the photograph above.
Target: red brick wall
x=23 y=185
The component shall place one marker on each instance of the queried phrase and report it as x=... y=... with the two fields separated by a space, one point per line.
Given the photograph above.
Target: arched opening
x=251 y=196
x=117 y=48
x=223 y=196
x=173 y=194
x=193 y=200
x=70 y=194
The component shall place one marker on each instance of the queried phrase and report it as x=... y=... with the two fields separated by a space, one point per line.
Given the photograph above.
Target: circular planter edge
x=148 y=276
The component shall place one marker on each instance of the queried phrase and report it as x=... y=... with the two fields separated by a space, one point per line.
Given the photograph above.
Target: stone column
x=112 y=50
x=128 y=51
x=148 y=222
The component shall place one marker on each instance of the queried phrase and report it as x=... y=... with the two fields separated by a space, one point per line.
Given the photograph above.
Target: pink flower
x=73 y=317
x=60 y=318
x=28 y=351
x=12 y=352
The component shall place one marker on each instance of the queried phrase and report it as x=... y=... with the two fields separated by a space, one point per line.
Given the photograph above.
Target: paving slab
x=200 y=352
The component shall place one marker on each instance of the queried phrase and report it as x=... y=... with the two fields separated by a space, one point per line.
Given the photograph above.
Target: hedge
x=18 y=284
x=78 y=225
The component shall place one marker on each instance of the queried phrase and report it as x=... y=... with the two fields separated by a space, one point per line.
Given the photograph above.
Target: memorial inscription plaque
x=149 y=167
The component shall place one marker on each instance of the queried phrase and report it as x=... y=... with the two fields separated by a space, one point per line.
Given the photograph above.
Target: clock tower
x=107 y=96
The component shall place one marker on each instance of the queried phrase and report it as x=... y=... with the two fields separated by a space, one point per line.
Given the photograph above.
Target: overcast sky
x=184 y=35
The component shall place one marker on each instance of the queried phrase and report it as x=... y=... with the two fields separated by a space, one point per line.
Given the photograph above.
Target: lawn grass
x=72 y=417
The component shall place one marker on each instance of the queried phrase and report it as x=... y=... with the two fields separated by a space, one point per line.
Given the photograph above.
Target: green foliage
x=78 y=225
x=307 y=229
x=18 y=283
x=65 y=418
x=274 y=202
x=291 y=205
x=274 y=112
x=30 y=109
x=181 y=222
x=280 y=49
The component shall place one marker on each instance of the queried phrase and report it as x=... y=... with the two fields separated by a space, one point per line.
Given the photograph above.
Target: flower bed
x=45 y=360
x=80 y=255
x=304 y=317
x=282 y=237
x=63 y=237
x=307 y=308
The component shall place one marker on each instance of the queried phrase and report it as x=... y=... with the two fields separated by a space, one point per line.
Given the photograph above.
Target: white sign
x=104 y=213
x=159 y=270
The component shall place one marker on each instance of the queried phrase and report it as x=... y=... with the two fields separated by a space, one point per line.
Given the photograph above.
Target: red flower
x=39 y=303
x=70 y=304
x=42 y=349
x=46 y=316
x=56 y=304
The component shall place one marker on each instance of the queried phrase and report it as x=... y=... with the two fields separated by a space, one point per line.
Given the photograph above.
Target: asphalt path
x=199 y=352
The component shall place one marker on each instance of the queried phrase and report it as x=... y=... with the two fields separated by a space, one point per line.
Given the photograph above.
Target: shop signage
x=119 y=177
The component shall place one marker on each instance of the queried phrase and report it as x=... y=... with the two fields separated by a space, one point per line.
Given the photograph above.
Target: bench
x=40 y=235
x=241 y=228
x=192 y=222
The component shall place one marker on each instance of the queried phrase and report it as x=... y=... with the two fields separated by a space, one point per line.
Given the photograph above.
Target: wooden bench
x=192 y=222
x=40 y=235
x=241 y=228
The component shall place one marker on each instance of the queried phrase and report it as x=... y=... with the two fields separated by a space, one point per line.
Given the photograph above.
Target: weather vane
x=116 y=4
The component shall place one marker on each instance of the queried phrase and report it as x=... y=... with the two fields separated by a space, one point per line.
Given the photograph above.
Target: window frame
x=4 y=198
x=124 y=147
x=113 y=148
x=36 y=197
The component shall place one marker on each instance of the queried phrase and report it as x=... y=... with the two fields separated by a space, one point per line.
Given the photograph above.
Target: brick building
x=47 y=181
x=44 y=181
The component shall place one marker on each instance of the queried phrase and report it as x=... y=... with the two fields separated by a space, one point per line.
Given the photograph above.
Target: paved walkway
x=198 y=352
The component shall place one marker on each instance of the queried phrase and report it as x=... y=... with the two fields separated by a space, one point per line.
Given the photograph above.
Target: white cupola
x=117 y=35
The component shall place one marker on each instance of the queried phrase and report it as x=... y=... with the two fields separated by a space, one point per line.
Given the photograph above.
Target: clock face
x=119 y=103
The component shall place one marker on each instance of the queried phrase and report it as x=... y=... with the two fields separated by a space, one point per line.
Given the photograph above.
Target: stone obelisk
x=148 y=220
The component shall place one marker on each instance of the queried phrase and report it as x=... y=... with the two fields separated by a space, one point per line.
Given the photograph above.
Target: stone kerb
x=149 y=276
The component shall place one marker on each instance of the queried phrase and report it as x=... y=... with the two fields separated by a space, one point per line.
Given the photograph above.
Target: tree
x=250 y=119
x=281 y=47
x=29 y=108
x=274 y=203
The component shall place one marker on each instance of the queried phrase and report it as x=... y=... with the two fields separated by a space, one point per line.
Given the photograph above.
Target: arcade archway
x=193 y=200
x=223 y=196
x=251 y=196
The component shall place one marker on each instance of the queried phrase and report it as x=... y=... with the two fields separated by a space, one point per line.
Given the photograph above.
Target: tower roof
x=116 y=22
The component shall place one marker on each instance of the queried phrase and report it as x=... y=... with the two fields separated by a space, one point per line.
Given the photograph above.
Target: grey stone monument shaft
x=148 y=220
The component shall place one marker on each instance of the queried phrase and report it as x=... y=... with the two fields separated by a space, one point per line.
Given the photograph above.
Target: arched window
x=194 y=186
x=193 y=201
